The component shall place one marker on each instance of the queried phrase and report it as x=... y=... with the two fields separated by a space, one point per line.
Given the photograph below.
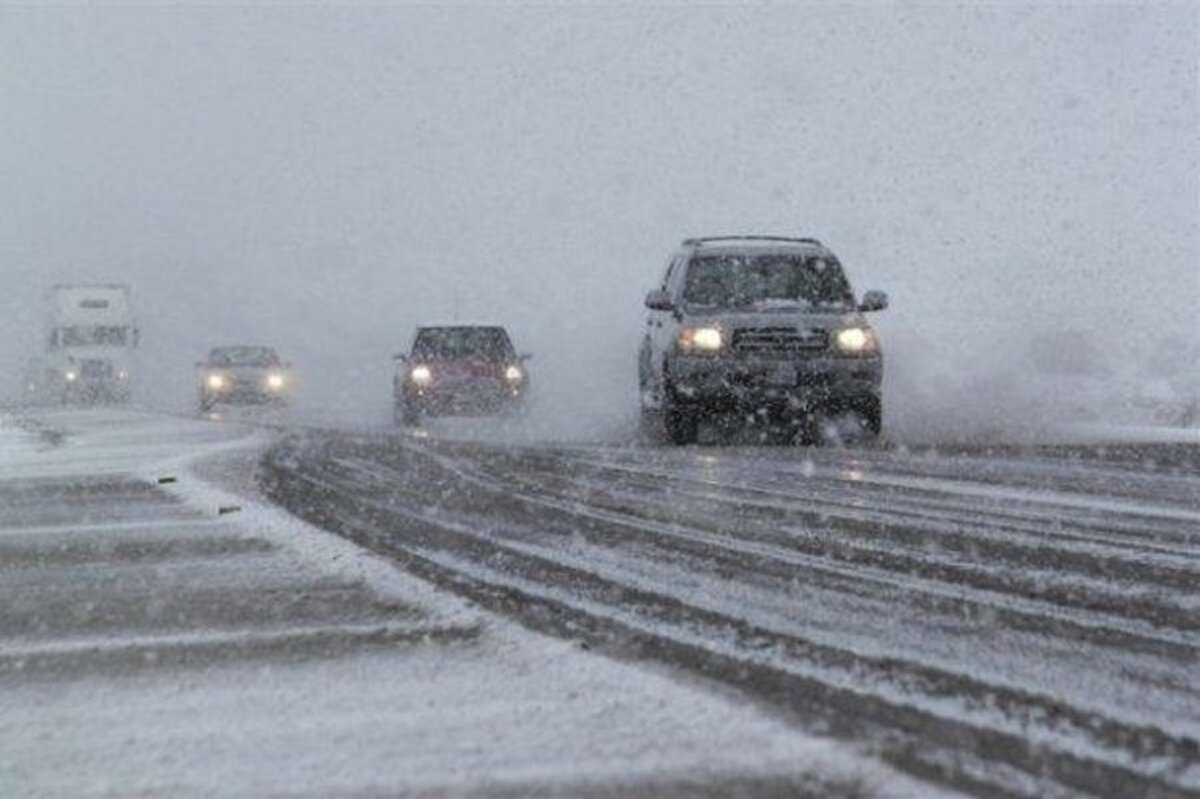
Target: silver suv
x=763 y=329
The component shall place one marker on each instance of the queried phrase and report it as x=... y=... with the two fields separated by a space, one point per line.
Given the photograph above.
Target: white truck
x=90 y=339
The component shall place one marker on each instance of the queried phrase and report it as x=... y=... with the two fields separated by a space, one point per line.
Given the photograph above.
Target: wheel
x=682 y=427
x=871 y=411
x=405 y=415
x=650 y=412
x=808 y=431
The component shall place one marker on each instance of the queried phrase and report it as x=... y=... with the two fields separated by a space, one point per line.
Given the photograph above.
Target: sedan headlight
x=856 y=341
x=701 y=340
x=215 y=381
x=421 y=375
x=275 y=381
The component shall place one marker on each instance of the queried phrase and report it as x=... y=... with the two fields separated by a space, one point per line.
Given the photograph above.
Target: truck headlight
x=215 y=381
x=421 y=375
x=705 y=340
x=275 y=381
x=856 y=341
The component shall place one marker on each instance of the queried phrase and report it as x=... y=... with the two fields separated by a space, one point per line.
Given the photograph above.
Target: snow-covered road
x=995 y=621
x=165 y=632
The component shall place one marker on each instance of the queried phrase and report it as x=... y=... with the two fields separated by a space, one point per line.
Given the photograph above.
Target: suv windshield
x=452 y=343
x=243 y=356
x=766 y=282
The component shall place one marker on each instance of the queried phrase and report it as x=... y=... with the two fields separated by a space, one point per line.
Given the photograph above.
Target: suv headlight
x=856 y=341
x=701 y=340
x=421 y=375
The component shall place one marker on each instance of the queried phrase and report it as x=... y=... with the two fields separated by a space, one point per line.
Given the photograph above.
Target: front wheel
x=871 y=411
x=682 y=427
x=405 y=415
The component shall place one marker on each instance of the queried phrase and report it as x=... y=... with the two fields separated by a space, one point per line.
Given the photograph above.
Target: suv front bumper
x=801 y=384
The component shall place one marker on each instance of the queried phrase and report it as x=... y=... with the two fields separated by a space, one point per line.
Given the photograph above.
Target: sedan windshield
x=453 y=343
x=243 y=356
x=766 y=282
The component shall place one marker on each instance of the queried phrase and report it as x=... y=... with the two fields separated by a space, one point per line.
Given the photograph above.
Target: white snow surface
x=504 y=710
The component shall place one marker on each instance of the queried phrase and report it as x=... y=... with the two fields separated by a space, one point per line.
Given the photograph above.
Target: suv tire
x=405 y=415
x=682 y=426
x=871 y=411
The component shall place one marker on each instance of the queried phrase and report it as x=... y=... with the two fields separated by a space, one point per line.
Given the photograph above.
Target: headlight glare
x=215 y=381
x=421 y=375
x=513 y=374
x=856 y=340
x=275 y=381
x=701 y=339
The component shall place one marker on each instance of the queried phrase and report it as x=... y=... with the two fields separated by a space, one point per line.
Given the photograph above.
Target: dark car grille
x=778 y=340
x=95 y=369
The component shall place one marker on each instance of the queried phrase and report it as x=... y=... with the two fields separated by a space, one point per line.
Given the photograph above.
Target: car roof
x=459 y=326
x=728 y=245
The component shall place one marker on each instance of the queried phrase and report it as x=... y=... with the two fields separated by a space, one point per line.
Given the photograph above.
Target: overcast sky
x=324 y=179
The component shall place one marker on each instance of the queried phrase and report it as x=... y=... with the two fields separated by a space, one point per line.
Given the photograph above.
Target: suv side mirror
x=525 y=356
x=659 y=300
x=401 y=357
x=873 y=301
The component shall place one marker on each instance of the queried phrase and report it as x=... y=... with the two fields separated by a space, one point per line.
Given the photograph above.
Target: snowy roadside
x=152 y=644
x=1129 y=434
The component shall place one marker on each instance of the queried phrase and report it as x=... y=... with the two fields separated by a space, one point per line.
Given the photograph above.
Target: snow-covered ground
x=185 y=638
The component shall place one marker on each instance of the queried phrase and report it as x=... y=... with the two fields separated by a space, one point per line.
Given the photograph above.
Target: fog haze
x=1016 y=178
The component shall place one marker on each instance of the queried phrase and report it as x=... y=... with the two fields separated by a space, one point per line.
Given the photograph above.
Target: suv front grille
x=769 y=341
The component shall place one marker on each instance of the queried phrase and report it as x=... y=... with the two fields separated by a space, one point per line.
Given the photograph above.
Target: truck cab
x=90 y=340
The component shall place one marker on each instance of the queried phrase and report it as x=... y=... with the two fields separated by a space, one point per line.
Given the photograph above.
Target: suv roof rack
x=706 y=239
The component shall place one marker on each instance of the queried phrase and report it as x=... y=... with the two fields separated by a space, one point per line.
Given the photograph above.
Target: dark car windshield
x=766 y=282
x=452 y=343
x=243 y=356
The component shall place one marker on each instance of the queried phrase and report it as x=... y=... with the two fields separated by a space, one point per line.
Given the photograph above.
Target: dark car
x=468 y=370
x=759 y=328
x=244 y=375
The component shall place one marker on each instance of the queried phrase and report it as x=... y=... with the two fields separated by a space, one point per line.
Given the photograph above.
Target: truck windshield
x=766 y=282
x=451 y=343
x=93 y=336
